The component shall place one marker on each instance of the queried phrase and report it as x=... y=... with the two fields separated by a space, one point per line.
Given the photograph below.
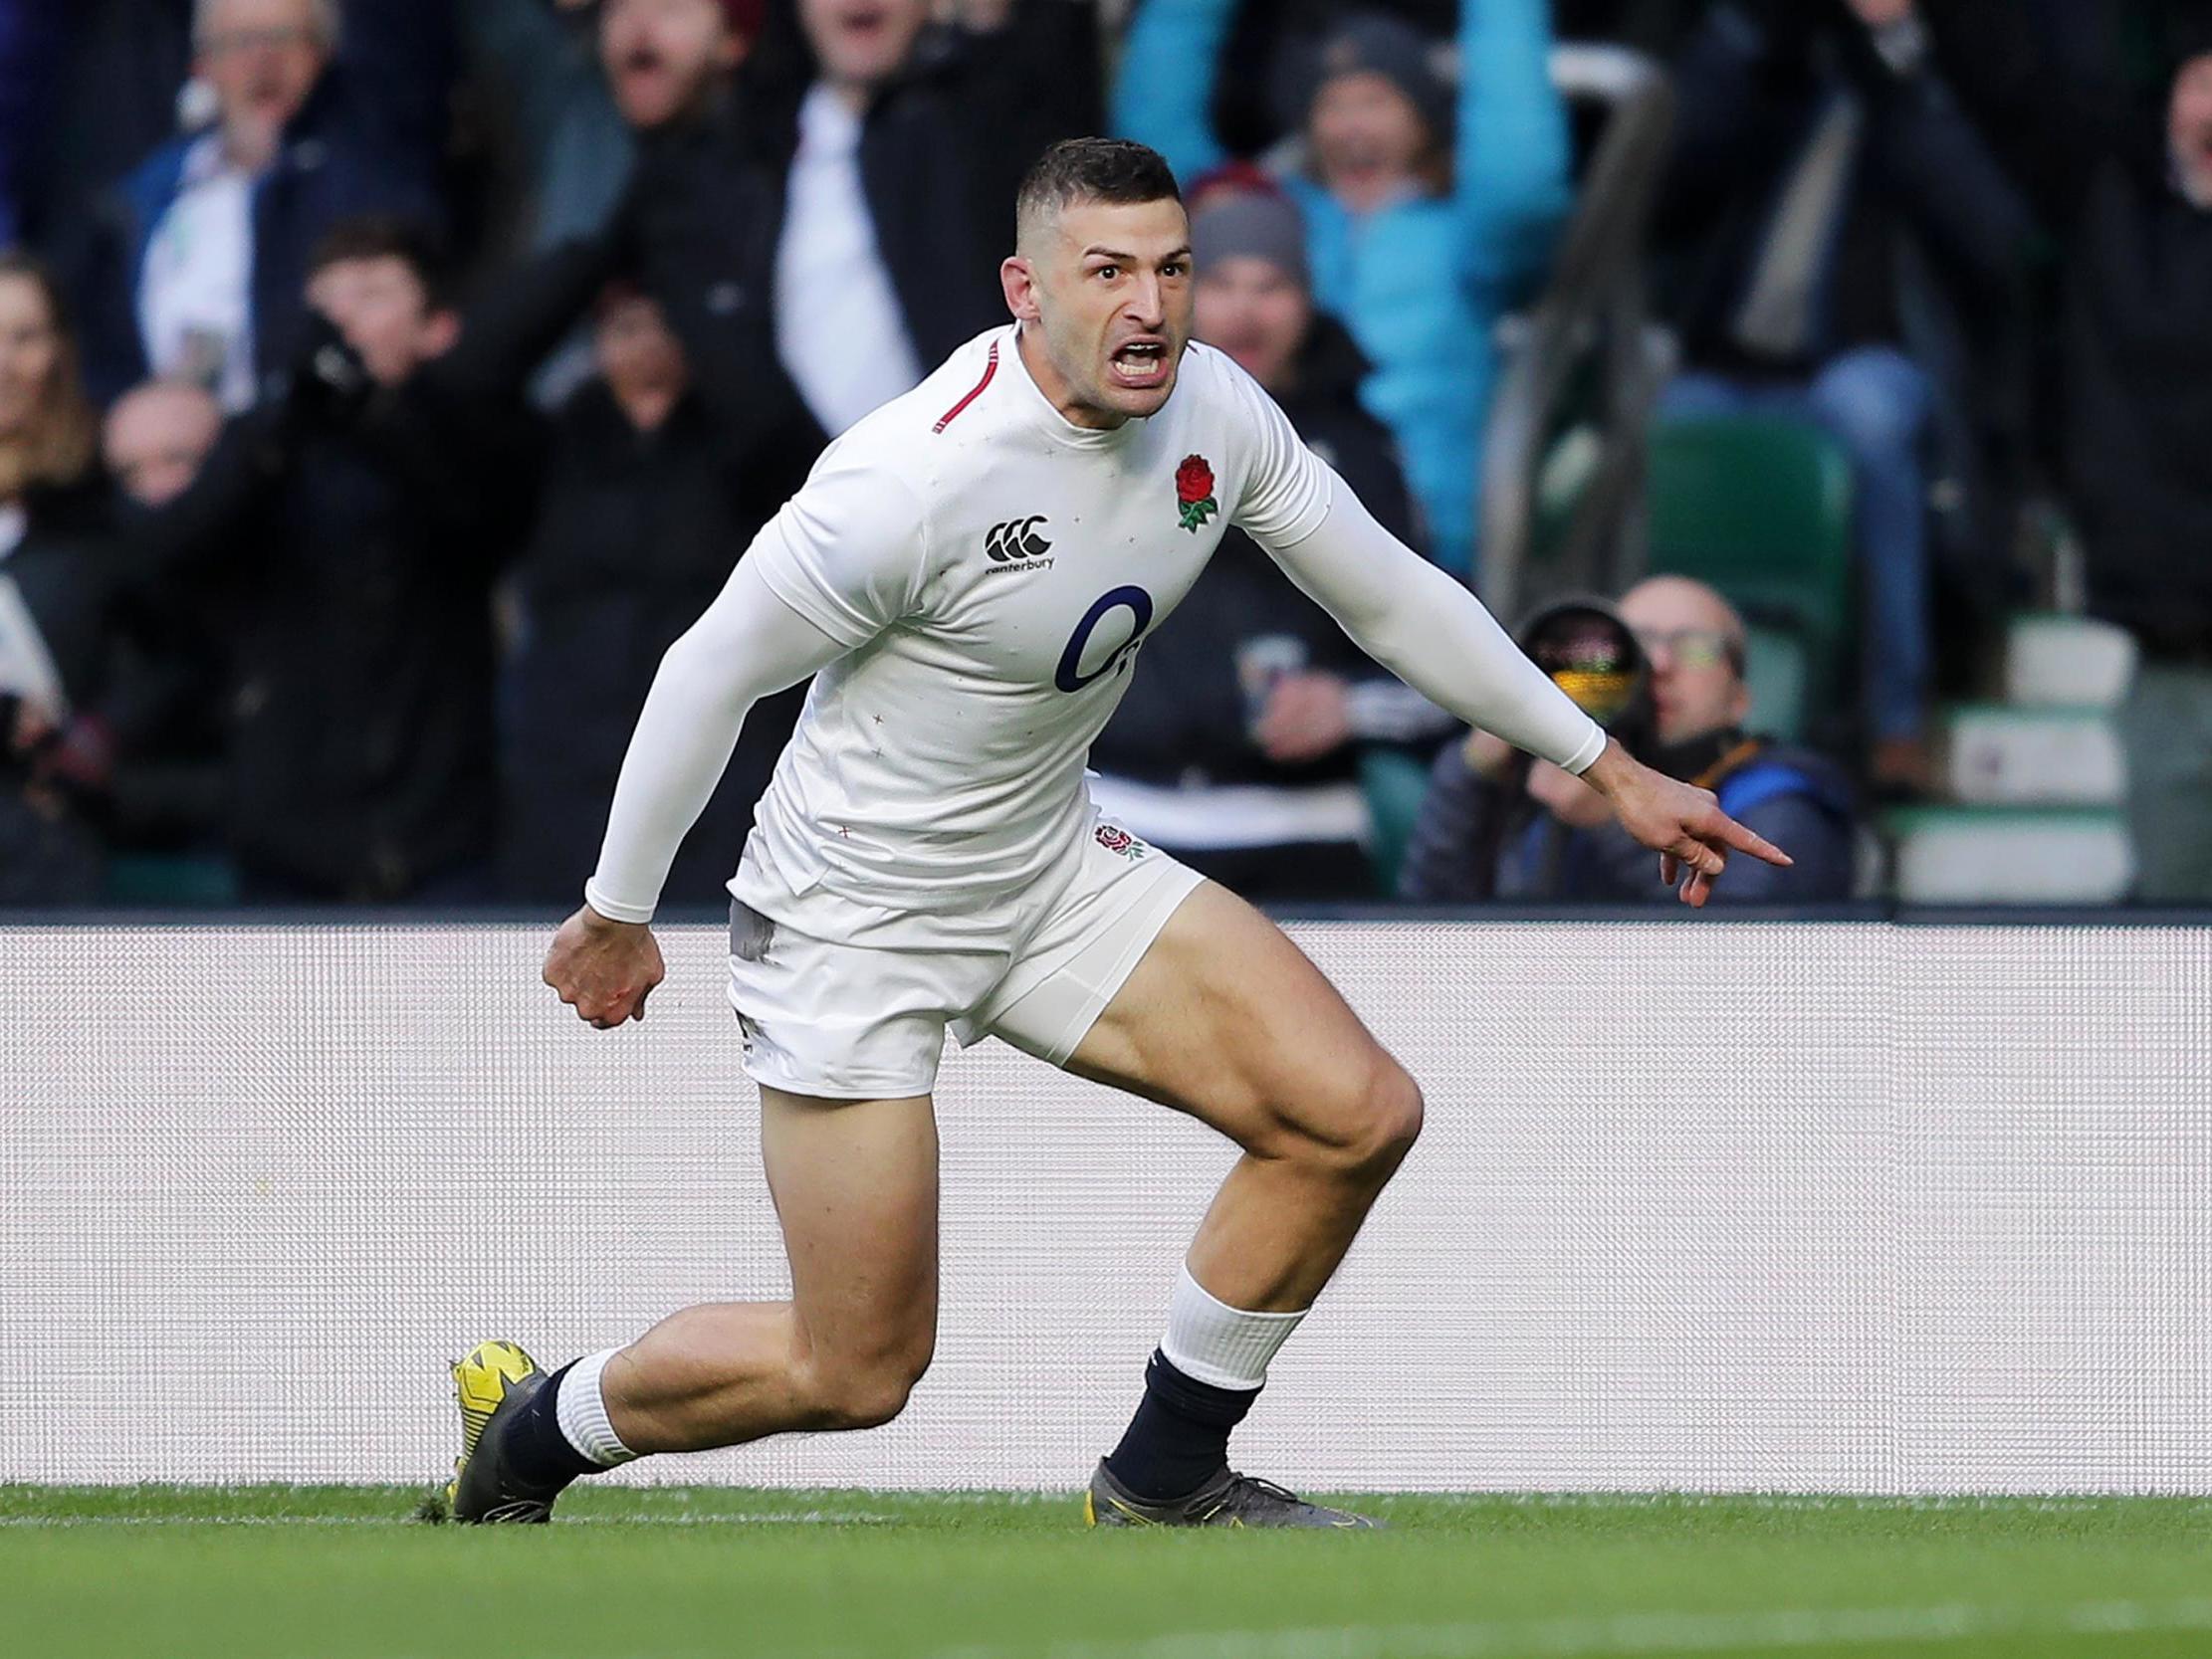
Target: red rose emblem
x=1194 y=492
x=1115 y=839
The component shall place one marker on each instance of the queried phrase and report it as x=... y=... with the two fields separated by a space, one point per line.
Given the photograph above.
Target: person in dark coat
x=1820 y=157
x=166 y=708
x=1495 y=827
x=895 y=150
x=196 y=263
x=696 y=225
x=646 y=506
x=358 y=523
x=104 y=97
x=60 y=585
x=1237 y=748
x=2137 y=378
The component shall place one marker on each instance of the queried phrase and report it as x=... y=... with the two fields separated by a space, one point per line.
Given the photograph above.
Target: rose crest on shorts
x=1193 y=492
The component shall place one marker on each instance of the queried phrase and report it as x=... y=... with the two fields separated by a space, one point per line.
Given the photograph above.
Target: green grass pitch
x=329 y=1573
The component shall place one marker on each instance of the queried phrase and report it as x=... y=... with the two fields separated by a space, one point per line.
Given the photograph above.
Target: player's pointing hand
x=1680 y=822
x=604 y=969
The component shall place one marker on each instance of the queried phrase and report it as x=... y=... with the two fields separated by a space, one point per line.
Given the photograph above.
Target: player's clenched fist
x=604 y=969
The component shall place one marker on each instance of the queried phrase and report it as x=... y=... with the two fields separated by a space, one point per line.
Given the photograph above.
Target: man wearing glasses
x=199 y=257
x=1496 y=825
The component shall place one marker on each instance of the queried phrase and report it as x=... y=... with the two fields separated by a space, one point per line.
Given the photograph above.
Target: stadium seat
x=1394 y=783
x=170 y=880
x=1762 y=507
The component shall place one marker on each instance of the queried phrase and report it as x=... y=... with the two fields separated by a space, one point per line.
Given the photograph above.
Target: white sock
x=581 y=1411
x=1209 y=1342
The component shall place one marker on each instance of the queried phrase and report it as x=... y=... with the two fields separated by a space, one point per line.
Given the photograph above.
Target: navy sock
x=1180 y=1435
x=535 y=1448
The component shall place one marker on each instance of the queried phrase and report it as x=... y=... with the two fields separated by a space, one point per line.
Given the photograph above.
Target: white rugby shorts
x=847 y=1021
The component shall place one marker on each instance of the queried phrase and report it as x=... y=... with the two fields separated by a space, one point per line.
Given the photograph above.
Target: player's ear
x=1019 y=281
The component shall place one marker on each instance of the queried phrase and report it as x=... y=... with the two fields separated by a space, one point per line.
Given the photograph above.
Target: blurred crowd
x=386 y=384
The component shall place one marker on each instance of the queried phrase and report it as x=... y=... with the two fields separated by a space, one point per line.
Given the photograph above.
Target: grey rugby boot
x=1228 y=1500
x=491 y=1385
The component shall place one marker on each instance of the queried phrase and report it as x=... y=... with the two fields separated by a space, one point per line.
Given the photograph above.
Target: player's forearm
x=748 y=645
x=1429 y=631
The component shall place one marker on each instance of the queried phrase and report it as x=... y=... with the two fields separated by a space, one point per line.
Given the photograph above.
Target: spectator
x=1424 y=226
x=196 y=263
x=2136 y=336
x=1817 y=143
x=1237 y=748
x=698 y=221
x=359 y=519
x=59 y=588
x=158 y=436
x=30 y=41
x=1273 y=42
x=644 y=510
x=165 y=705
x=1493 y=828
x=565 y=150
x=898 y=161
x=108 y=96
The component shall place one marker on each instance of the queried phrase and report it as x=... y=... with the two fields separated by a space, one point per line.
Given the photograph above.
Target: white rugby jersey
x=992 y=572
x=996 y=570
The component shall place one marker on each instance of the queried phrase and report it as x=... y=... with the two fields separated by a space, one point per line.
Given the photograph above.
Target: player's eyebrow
x=1094 y=251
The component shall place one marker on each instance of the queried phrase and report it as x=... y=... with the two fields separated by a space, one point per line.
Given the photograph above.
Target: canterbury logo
x=1015 y=539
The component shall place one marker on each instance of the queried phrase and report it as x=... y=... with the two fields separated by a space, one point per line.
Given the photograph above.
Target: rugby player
x=970 y=573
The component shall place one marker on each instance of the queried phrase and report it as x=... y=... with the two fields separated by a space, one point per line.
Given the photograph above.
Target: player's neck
x=1057 y=391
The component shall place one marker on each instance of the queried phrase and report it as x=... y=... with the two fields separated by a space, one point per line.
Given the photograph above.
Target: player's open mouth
x=1141 y=364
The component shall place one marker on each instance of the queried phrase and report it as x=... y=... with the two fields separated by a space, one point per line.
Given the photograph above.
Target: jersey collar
x=1056 y=425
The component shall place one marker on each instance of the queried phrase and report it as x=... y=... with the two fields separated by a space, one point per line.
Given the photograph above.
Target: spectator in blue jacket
x=1426 y=220
x=1494 y=826
x=196 y=263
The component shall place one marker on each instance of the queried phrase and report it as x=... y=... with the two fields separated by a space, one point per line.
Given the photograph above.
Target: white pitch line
x=1636 y=1633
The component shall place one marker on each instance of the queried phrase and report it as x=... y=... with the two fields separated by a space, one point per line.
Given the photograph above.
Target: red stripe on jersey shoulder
x=991 y=368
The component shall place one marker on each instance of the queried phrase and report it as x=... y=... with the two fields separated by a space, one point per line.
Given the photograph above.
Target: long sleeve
x=843 y=560
x=748 y=645
x=1408 y=614
x=1164 y=91
x=1512 y=165
x=510 y=331
x=1946 y=176
x=1432 y=633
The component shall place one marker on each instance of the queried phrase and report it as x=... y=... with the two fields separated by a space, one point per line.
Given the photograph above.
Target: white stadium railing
x=1744 y=1206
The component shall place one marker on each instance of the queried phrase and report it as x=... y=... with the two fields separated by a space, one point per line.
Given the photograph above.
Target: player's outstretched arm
x=748 y=645
x=1438 y=637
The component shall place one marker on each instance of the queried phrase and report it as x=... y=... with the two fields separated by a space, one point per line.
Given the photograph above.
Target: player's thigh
x=855 y=1189
x=1225 y=1018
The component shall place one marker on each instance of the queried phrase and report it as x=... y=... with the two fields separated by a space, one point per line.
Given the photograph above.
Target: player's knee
x=1361 y=1126
x=869 y=1395
x=1391 y=1120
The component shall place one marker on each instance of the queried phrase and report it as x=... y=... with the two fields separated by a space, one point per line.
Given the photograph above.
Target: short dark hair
x=1093 y=170
x=388 y=236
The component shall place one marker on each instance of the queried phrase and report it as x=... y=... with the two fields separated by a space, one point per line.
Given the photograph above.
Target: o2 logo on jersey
x=1138 y=603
